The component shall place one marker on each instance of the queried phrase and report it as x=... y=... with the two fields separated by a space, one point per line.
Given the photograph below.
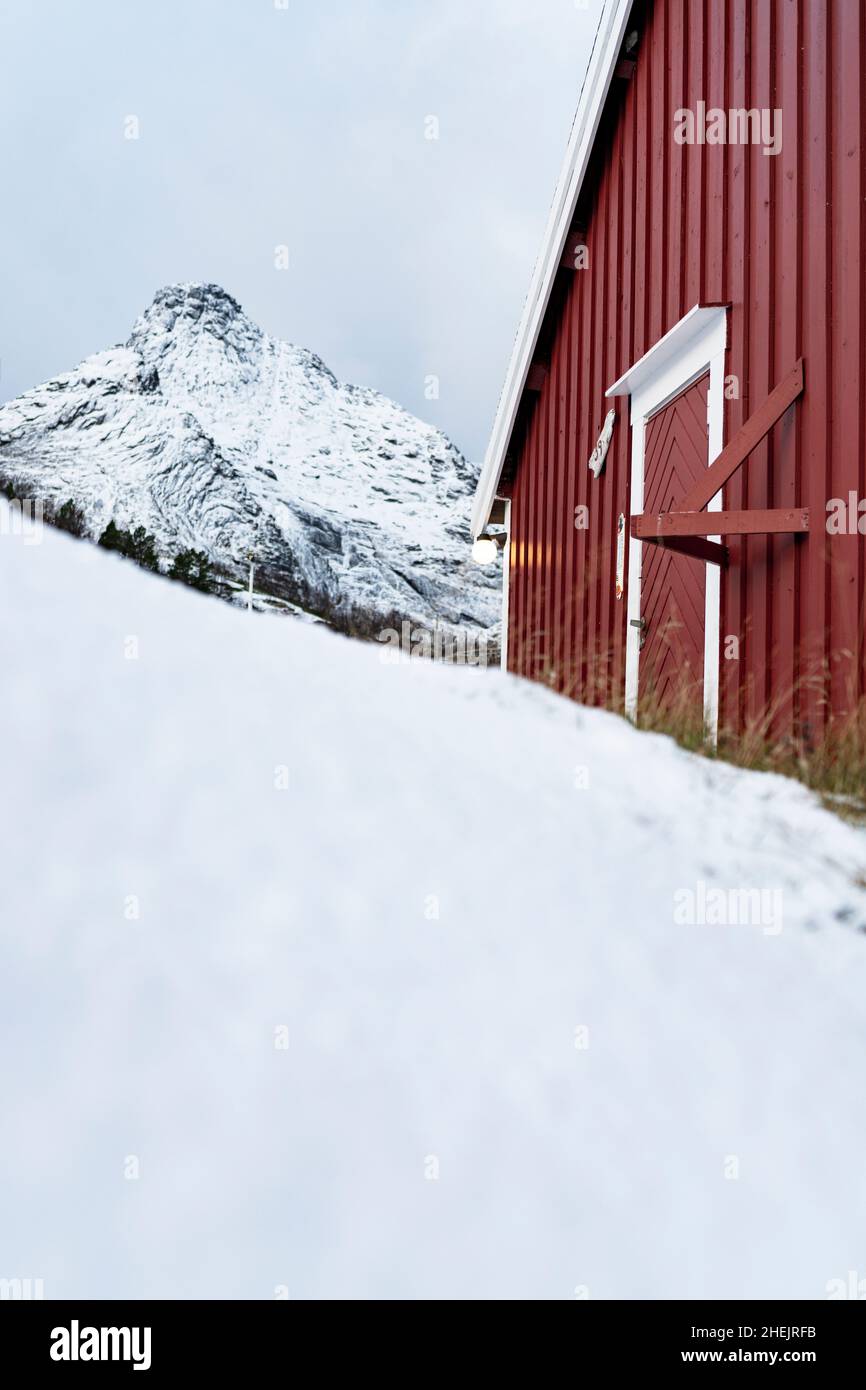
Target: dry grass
x=831 y=761
x=833 y=765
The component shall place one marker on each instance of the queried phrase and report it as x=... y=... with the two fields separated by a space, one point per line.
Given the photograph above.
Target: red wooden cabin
x=703 y=276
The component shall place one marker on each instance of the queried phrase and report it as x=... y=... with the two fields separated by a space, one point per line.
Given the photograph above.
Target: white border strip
x=506 y=585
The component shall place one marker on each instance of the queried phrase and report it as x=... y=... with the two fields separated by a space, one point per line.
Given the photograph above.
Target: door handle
x=640 y=624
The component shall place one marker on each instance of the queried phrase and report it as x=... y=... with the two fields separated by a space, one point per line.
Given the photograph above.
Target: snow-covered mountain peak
x=206 y=306
x=212 y=434
x=196 y=337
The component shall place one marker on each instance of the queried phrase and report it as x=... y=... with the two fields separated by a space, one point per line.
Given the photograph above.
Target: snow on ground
x=510 y=1070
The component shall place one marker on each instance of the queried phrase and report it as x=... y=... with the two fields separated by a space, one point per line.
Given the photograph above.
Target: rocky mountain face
x=216 y=437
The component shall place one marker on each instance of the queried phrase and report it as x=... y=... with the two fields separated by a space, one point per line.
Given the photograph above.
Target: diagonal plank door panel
x=673 y=588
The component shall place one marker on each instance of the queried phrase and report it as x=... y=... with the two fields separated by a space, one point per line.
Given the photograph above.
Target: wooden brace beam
x=756 y=428
x=754 y=523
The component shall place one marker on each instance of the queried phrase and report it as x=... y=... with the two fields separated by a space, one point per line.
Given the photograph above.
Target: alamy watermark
x=77 y=1343
x=737 y=126
x=22 y=1290
x=846 y=516
x=439 y=644
x=23 y=518
x=852 y=1287
x=704 y=906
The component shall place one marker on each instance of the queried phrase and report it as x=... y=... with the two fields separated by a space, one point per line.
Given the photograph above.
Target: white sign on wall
x=599 y=454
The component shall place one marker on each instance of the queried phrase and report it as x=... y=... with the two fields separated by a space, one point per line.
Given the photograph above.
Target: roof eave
x=609 y=41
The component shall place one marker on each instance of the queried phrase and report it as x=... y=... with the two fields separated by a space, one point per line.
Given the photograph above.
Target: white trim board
x=608 y=44
x=506 y=586
x=695 y=345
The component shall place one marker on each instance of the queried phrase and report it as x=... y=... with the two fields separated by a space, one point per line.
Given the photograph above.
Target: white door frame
x=692 y=347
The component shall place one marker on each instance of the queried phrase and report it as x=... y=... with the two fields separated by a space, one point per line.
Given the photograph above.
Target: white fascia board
x=698 y=336
x=608 y=43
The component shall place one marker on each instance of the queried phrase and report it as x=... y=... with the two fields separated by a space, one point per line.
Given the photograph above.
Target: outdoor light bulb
x=484 y=552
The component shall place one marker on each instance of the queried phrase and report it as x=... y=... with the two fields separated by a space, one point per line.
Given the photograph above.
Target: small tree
x=193 y=567
x=137 y=545
x=114 y=539
x=142 y=549
x=71 y=518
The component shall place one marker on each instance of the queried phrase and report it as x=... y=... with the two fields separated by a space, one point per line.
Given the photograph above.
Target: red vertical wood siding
x=782 y=239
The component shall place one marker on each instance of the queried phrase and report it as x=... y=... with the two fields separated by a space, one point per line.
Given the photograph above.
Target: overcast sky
x=298 y=123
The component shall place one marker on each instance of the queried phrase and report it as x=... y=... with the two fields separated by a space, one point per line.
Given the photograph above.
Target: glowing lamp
x=485 y=551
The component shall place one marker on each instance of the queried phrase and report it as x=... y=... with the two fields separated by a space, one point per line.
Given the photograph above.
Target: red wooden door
x=673 y=587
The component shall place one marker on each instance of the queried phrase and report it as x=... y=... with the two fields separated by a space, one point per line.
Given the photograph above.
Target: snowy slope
x=214 y=435
x=256 y=825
